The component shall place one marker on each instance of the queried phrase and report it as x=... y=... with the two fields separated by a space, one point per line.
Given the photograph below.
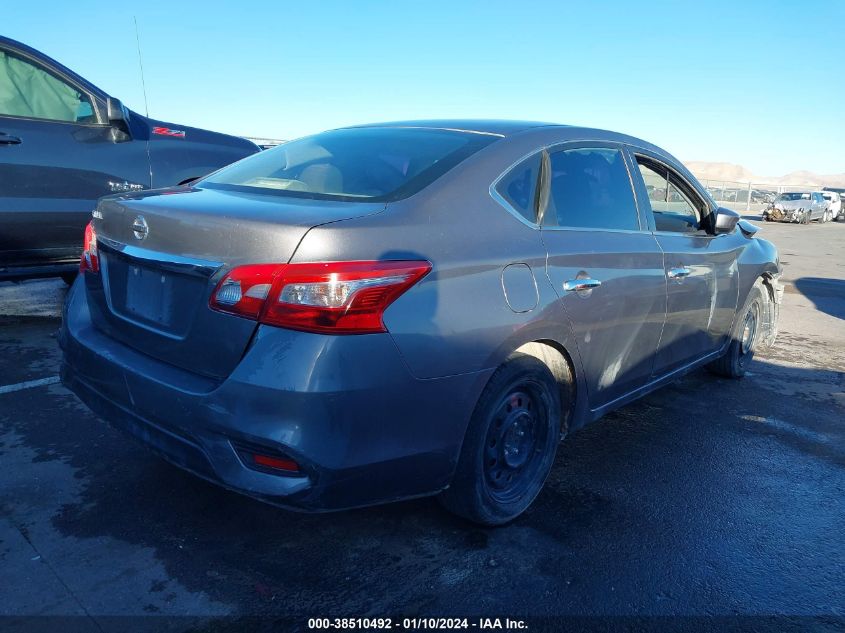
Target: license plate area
x=156 y=298
x=150 y=295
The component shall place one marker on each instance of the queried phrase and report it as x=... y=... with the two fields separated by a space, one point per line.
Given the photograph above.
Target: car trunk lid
x=162 y=254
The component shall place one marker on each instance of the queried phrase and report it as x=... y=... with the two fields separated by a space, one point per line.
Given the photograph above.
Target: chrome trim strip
x=177 y=263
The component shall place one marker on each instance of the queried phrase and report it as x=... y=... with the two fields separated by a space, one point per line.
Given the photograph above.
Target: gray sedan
x=406 y=309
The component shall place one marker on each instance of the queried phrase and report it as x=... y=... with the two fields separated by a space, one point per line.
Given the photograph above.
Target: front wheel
x=744 y=337
x=510 y=444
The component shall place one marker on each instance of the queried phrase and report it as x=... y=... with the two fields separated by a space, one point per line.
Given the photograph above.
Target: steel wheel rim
x=516 y=441
x=749 y=332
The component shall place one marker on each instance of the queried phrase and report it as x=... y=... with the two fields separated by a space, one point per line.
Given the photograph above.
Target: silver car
x=798 y=206
x=390 y=311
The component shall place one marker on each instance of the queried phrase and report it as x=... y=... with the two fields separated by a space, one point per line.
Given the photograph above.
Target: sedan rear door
x=605 y=265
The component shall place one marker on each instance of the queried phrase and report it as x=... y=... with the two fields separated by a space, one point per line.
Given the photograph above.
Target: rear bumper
x=362 y=429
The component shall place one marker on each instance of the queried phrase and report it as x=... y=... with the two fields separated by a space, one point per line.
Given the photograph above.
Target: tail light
x=90 y=258
x=330 y=297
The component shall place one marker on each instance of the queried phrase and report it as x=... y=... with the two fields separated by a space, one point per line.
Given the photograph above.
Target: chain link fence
x=748 y=197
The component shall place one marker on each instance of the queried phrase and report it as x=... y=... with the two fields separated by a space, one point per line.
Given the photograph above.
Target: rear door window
x=519 y=187
x=590 y=188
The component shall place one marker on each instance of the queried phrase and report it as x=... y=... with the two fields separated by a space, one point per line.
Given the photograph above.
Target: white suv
x=834 y=205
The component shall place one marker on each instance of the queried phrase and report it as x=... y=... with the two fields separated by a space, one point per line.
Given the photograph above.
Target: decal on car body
x=166 y=131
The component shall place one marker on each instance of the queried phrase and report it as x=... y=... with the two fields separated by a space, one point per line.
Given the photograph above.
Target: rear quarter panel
x=456 y=320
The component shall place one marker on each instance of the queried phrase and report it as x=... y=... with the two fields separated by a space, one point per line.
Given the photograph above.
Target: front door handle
x=5 y=139
x=678 y=273
x=580 y=284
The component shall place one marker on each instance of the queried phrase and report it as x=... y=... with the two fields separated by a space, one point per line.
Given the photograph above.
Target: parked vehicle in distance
x=265 y=143
x=64 y=143
x=834 y=204
x=389 y=311
x=797 y=206
x=840 y=216
x=762 y=197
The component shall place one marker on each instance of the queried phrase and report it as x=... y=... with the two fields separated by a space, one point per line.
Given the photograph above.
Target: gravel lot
x=707 y=498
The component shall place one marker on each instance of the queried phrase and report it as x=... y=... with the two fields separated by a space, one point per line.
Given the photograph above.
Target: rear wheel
x=510 y=444
x=744 y=337
x=69 y=278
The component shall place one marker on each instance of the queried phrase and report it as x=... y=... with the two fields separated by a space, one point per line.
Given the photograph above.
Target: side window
x=590 y=188
x=673 y=209
x=27 y=90
x=519 y=187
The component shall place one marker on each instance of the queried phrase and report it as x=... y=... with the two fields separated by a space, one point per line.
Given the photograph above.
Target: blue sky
x=755 y=83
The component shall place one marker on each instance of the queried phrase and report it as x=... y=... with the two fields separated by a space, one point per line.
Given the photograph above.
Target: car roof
x=505 y=128
x=479 y=126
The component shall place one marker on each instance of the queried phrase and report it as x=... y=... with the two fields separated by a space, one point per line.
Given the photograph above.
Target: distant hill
x=704 y=170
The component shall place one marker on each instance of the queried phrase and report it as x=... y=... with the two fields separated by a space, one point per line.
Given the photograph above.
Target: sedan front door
x=700 y=271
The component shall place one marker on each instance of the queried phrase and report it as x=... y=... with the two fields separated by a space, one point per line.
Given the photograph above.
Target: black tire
x=744 y=337
x=510 y=444
x=69 y=278
x=807 y=218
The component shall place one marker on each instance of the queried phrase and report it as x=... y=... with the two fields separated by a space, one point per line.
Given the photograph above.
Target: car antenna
x=141 y=66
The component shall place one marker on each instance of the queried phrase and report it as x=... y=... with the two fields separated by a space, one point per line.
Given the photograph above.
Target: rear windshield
x=366 y=164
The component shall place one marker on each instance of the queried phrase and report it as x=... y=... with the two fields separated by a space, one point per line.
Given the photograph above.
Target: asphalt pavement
x=710 y=497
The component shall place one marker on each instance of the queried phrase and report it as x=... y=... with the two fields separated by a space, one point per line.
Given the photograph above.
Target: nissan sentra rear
x=193 y=330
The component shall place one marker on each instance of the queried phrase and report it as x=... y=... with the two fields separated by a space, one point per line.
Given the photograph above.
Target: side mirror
x=725 y=221
x=116 y=114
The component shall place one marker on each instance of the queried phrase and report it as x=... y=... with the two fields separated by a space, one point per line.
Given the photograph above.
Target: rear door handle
x=5 y=139
x=580 y=284
x=678 y=273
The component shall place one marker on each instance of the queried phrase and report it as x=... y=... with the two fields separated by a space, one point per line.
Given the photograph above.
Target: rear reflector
x=90 y=257
x=276 y=463
x=327 y=297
